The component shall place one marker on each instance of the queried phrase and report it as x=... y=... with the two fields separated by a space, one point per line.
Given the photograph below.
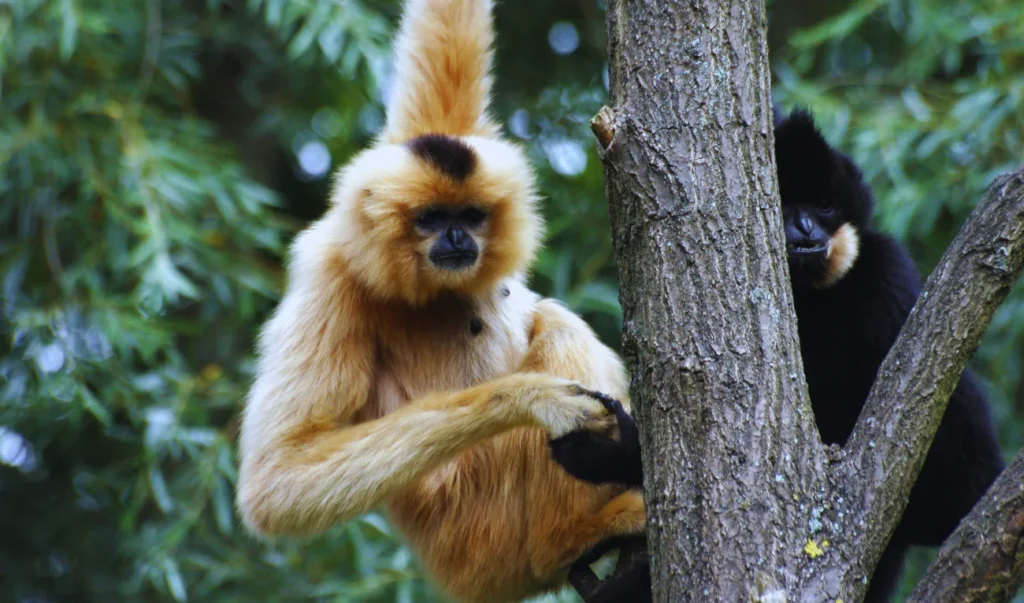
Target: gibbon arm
x=305 y=467
x=563 y=344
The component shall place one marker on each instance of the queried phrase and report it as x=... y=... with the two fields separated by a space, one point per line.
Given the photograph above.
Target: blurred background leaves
x=157 y=156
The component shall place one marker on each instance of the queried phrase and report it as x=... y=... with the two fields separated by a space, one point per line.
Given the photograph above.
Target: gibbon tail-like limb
x=408 y=365
x=853 y=288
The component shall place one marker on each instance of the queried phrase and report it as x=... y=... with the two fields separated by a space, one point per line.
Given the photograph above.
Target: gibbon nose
x=455 y=250
x=805 y=225
x=805 y=238
x=457 y=237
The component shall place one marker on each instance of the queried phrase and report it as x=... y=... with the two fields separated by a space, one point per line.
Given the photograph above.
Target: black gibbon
x=853 y=288
x=408 y=364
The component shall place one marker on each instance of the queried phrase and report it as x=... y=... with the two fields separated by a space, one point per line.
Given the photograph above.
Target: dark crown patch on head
x=449 y=155
x=798 y=134
x=806 y=163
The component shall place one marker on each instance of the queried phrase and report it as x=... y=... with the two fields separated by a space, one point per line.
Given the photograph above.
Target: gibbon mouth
x=457 y=260
x=807 y=249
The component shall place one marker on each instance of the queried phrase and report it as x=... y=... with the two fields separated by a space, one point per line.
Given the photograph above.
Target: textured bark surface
x=984 y=558
x=744 y=503
x=709 y=331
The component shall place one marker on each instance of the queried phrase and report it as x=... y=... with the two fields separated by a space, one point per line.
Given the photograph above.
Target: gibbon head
x=438 y=214
x=825 y=203
x=441 y=203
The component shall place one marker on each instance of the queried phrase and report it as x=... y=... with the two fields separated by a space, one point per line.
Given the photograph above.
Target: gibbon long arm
x=305 y=467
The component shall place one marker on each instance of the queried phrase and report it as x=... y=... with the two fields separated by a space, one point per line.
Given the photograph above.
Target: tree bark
x=735 y=465
x=744 y=502
x=984 y=558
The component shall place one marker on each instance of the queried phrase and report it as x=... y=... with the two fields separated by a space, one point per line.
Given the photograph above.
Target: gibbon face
x=825 y=203
x=438 y=214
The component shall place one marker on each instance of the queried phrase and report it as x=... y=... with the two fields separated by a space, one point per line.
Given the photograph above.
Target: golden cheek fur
x=843 y=248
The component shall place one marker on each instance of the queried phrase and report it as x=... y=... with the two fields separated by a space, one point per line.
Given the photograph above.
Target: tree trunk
x=709 y=333
x=744 y=502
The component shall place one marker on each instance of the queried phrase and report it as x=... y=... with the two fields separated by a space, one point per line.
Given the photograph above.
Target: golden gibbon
x=408 y=364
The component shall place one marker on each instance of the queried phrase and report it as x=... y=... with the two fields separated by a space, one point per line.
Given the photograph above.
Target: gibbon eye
x=433 y=219
x=825 y=207
x=472 y=216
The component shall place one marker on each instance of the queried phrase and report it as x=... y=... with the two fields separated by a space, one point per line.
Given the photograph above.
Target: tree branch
x=923 y=367
x=984 y=558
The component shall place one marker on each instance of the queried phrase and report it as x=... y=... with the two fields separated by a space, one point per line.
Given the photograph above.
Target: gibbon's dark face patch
x=824 y=202
x=454 y=247
x=449 y=155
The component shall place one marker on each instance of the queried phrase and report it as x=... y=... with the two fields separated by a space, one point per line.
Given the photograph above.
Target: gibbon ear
x=442 y=78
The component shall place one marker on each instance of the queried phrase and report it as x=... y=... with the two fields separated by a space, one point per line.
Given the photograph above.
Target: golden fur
x=442 y=71
x=373 y=388
x=382 y=188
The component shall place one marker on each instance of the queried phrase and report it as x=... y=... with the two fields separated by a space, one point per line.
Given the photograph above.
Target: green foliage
x=154 y=162
x=140 y=252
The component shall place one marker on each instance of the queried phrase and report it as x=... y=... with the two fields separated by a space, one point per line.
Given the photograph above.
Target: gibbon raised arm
x=408 y=365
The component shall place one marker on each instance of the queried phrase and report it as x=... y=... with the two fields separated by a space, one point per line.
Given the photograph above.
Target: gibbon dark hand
x=598 y=459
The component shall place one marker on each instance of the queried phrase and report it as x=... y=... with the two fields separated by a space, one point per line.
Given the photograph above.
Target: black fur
x=598 y=459
x=846 y=331
x=631 y=580
x=449 y=155
x=631 y=584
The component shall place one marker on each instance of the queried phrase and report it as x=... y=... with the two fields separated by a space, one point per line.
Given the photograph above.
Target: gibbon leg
x=555 y=547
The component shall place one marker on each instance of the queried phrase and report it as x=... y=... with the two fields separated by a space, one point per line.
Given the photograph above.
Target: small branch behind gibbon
x=888 y=446
x=603 y=127
x=984 y=558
